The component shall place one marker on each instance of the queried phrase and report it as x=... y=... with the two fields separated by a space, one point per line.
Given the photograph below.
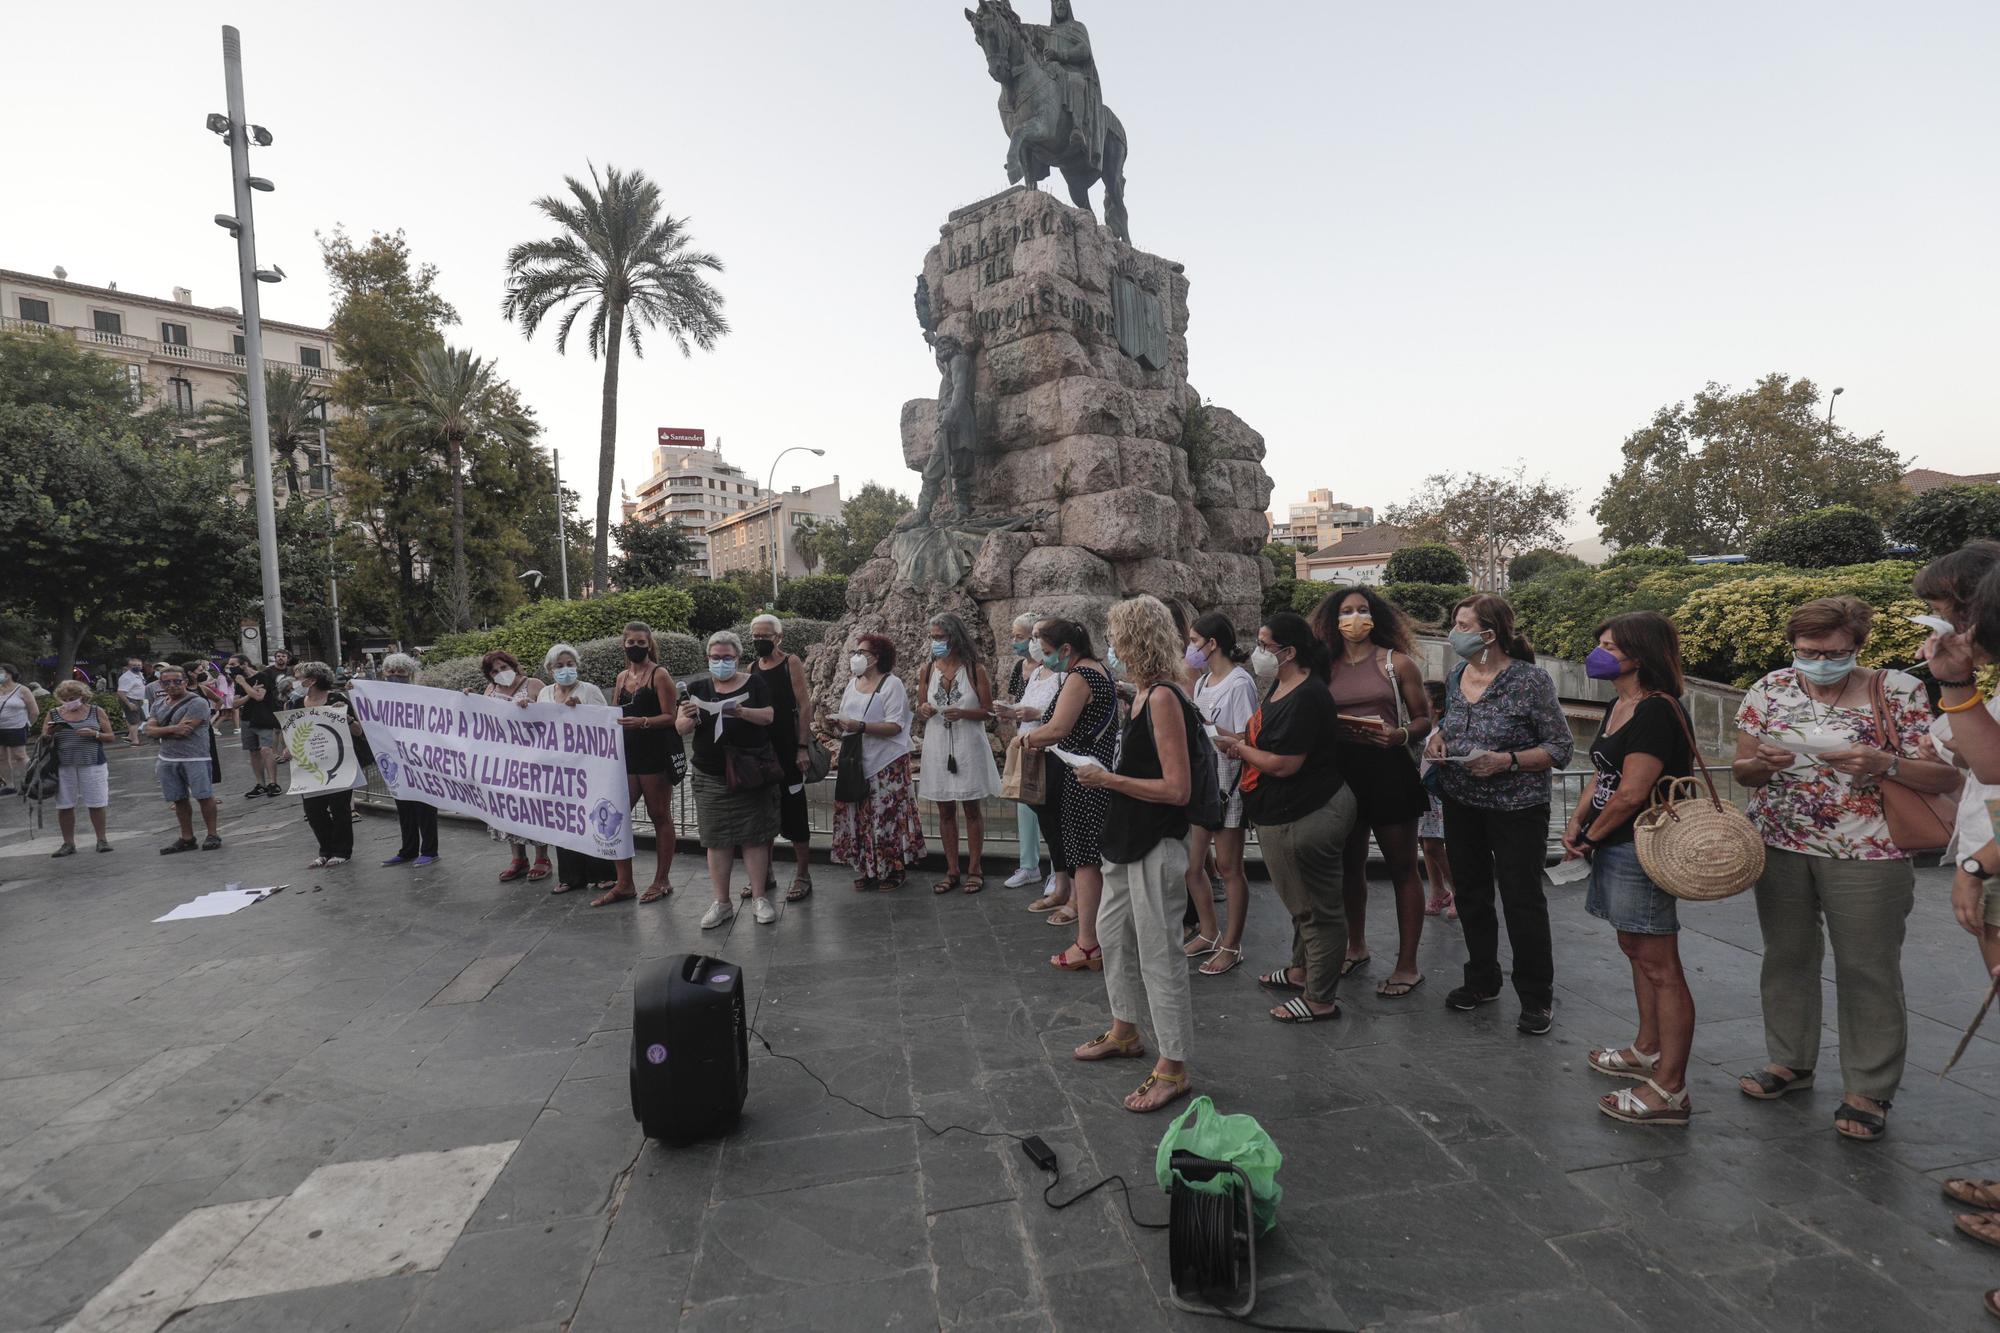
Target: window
x=182 y=393
x=33 y=310
x=107 y=321
x=173 y=335
x=309 y=356
x=239 y=345
x=135 y=383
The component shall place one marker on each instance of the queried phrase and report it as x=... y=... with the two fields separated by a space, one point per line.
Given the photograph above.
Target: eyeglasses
x=1822 y=654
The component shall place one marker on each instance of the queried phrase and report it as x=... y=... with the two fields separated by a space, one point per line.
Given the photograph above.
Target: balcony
x=199 y=356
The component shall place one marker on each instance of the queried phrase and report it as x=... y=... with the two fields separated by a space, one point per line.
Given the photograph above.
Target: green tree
x=1822 y=539
x=1711 y=474
x=817 y=597
x=293 y=411
x=1425 y=562
x=651 y=553
x=447 y=397
x=1656 y=557
x=1488 y=518
x=716 y=606
x=1282 y=556
x=1940 y=521
x=866 y=517
x=1533 y=564
x=619 y=257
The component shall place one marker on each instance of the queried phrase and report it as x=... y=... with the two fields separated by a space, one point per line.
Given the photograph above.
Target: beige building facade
x=1321 y=520
x=182 y=354
x=742 y=542
x=692 y=488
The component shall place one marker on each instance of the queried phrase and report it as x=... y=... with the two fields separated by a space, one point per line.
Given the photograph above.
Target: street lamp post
x=332 y=527
x=562 y=537
x=240 y=133
x=777 y=529
x=1829 y=416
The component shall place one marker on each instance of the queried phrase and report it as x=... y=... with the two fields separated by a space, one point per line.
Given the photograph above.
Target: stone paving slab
x=1442 y=1171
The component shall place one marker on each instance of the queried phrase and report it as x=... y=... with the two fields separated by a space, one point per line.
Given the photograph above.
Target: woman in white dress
x=954 y=700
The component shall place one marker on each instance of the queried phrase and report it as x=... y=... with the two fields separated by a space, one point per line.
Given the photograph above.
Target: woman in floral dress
x=881 y=836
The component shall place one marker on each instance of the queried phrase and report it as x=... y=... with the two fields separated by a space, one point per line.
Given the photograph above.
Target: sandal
x=1209 y=968
x=542 y=869
x=1048 y=902
x=1992 y=1303
x=974 y=883
x=1615 y=1063
x=864 y=884
x=1137 y=1102
x=947 y=884
x=1279 y=980
x=1092 y=960
x=892 y=881
x=1772 y=1086
x=1982 y=1227
x=1869 y=1125
x=1983 y=1194
x=1349 y=964
x=562 y=886
x=1437 y=905
x=514 y=871
x=614 y=896
x=1102 y=1047
x=801 y=889
x=1396 y=990
x=1296 y=1010
x=1197 y=946
x=316 y=863
x=655 y=892
x=1626 y=1105
x=1062 y=916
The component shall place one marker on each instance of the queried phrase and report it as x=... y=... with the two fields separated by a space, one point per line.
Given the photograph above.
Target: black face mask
x=637 y=652
x=764 y=647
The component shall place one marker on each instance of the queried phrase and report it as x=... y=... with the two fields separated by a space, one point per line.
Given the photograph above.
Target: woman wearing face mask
x=654 y=752
x=1303 y=809
x=18 y=710
x=1378 y=689
x=563 y=665
x=418 y=820
x=1032 y=687
x=1082 y=721
x=83 y=774
x=506 y=680
x=1502 y=733
x=1950 y=584
x=1226 y=696
x=1829 y=857
x=745 y=819
x=880 y=836
x=1642 y=740
x=791 y=738
x=331 y=814
x=954 y=699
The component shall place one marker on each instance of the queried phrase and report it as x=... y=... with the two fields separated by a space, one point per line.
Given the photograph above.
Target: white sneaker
x=1023 y=877
x=716 y=914
x=765 y=911
x=1049 y=887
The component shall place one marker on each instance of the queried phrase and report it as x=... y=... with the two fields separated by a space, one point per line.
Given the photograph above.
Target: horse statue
x=1039 y=101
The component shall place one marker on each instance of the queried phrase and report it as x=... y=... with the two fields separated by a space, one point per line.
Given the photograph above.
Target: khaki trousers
x=1304 y=861
x=1138 y=923
x=1864 y=905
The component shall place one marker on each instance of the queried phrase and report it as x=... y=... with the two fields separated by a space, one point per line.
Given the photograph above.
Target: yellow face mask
x=1356 y=625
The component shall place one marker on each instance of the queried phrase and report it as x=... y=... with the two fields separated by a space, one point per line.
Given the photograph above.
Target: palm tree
x=627 y=263
x=450 y=397
x=294 y=409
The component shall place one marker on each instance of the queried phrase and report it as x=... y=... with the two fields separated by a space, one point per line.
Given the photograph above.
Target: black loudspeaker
x=690 y=1048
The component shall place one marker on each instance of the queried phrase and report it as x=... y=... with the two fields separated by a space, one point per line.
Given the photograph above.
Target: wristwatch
x=1970 y=865
x=1513 y=761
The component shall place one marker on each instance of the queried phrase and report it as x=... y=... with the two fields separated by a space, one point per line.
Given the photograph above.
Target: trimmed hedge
x=528 y=632
x=820 y=596
x=1736 y=631
x=1426 y=562
x=716 y=606
x=1821 y=539
x=1427 y=603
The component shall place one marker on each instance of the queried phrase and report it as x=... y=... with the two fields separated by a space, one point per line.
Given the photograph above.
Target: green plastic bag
x=1206 y=1132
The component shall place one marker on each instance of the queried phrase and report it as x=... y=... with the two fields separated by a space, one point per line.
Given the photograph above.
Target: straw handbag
x=1698 y=849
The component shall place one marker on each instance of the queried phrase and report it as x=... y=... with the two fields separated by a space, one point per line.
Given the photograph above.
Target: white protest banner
x=546 y=772
x=324 y=756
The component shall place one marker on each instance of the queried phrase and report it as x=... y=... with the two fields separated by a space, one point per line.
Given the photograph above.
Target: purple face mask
x=1195 y=657
x=1603 y=664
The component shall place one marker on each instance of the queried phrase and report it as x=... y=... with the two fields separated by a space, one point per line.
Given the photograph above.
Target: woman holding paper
x=1145 y=859
x=331 y=814
x=1079 y=728
x=1502 y=732
x=1811 y=746
x=1378 y=689
x=881 y=835
x=728 y=717
x=954 y=700
x=506 y=680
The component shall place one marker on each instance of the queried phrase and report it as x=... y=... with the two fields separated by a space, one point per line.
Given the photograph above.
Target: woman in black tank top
x=646 y=692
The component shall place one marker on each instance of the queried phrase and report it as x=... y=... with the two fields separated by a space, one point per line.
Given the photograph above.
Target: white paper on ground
x=1074 y=760
x=1568 y=872
x=220 y=903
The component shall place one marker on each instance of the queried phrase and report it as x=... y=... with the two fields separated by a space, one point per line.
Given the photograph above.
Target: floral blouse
x=1809 y=807
x=1519 y=711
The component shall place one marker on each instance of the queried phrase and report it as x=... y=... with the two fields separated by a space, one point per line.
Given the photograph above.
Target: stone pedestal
x=1087 y=426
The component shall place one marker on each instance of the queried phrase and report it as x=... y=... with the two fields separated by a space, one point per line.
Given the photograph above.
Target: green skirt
x=734 y=819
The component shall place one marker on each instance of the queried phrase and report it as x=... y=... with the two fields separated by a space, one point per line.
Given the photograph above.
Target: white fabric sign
x=324 y=756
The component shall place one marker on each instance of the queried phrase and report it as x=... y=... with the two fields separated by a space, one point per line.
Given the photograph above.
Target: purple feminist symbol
x=656 y=1054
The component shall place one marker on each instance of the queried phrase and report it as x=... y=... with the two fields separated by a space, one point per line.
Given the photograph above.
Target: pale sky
x=1420 y=237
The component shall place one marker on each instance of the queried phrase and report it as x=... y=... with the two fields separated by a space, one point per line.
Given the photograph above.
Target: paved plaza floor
x=396 y=1100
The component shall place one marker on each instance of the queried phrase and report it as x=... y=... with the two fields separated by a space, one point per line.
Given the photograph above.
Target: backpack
x=1204 y=803
x=41 y=781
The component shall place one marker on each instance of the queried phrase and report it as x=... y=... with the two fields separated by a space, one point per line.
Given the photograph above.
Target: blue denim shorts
x=184 y=781
x=1621 y=893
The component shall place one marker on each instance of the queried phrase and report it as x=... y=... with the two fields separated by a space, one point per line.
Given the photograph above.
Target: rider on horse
x=1066 y=43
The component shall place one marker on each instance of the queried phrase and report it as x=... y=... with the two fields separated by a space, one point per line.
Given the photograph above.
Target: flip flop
x=1396 y=990
x=1349 y=964
x=606 y=899
x=653 y=895
x=1296 y=1010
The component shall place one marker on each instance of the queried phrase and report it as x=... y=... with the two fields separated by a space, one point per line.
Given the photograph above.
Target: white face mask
x=858 y=664
x=503 y=678
x=1262 y=662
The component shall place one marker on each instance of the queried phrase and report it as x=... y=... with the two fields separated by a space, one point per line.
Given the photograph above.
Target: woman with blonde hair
x=1145 y=859
x=83 y=773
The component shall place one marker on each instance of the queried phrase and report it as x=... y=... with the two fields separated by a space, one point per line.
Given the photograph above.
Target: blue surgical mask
x=1111 y=662
x=722 y=668
x=1054 y=661
x=939 y=647
x=1824 y=673
x=1020 y=647
x=565 y=675
x=1468 y=643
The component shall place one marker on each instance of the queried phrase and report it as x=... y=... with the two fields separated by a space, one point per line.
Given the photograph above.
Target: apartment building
x=184 y=354
x=743 y=541
x=693 y=488
x=1321 y=519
